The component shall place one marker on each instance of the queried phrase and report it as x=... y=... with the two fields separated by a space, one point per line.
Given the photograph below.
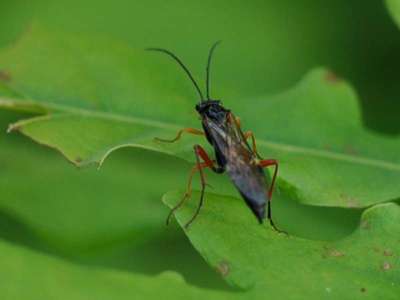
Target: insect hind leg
x=271 y=222
x=267 y=163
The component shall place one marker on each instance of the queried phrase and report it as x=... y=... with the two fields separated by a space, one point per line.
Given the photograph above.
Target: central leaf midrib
x=276 y=145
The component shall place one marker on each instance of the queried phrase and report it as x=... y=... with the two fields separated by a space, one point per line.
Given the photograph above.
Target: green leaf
x=106 y=96
x=394 y=9
x=252 y=256
x=29 y=275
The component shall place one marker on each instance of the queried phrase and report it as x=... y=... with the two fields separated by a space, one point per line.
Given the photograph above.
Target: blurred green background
x=279 y=40
x=113 y=219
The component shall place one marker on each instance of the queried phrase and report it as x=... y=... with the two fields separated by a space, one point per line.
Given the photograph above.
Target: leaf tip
x=386 y=266
x=380 y=217
x=223 y=268
x=331 y=77
x=13 y=127
x=169 y=197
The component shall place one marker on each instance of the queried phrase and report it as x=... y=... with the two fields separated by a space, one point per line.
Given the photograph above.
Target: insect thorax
x=213 y=110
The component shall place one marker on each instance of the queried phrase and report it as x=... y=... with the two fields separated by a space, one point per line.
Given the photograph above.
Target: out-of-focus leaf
x=29 y=275
x=394 y=9
x=248 y=255
x=357 y=39
x=86 y=206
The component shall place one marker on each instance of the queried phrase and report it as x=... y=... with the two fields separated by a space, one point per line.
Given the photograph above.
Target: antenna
x=183 y=67
x=210 y=54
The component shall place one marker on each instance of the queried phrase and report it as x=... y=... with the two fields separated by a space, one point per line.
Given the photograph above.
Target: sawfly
x=233 y=153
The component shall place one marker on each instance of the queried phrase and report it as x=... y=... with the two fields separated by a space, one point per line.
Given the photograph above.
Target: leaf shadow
x=16 y=231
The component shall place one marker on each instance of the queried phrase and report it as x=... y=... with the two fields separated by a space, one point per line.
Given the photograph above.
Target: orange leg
x=208 y=163
x=250 y=134
x=238 y=122
x=179 y=134
x=232 y=118
x=247 y=134
x=266 y=163
x=188 y=192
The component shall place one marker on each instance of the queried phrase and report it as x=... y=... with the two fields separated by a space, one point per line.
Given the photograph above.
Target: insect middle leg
x=179 y=134
x=267 y=163
x=188 y=193
x=208 y=163
x=247 y=134
x=250 y=134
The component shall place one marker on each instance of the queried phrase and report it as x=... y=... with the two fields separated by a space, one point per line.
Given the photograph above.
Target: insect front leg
x=179 y=134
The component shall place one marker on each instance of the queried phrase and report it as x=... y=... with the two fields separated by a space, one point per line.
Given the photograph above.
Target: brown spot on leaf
x=365 y=225
x=12 y=127
x=387 y=252
x=331 y=77
x=386 y=266
x=350 y=150
x=5 y=75
x=349 y=201
x=327 y=147
x=78 y=159
x=336 y=253
x=223 y=268
x=363 y=290
x=352 y=203
x=329 y=252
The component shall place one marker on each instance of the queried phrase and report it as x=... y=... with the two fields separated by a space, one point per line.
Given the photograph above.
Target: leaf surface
x=248 y=255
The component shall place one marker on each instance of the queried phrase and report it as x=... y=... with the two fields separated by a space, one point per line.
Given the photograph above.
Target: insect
x=233 y=153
